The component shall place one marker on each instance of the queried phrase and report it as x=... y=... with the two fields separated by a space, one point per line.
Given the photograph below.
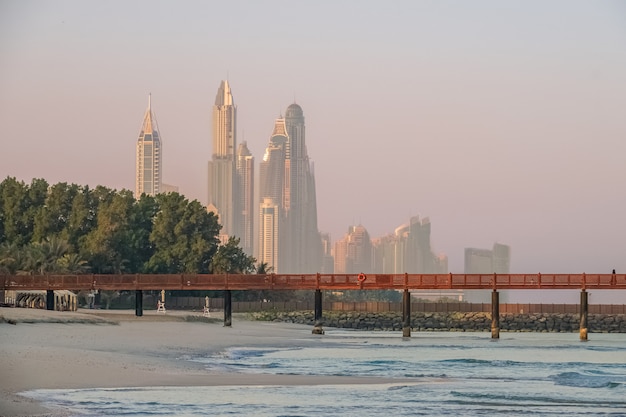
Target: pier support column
x=138 y=303
x=406 y=314
x=228 y=309
x=49 y=299
x=584 y=311
x=318 y=329
x=495 y=315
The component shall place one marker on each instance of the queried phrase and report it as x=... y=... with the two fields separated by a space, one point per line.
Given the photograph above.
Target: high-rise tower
x=222 y=183
x=272 y=196
x=148 y=174
x=244 y=199
x=301 y=209
x=287 y=178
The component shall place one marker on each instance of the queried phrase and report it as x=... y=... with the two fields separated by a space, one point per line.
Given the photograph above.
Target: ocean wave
x=588 y=380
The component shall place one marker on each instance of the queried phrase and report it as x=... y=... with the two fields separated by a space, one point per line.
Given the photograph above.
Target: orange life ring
x=361 y=277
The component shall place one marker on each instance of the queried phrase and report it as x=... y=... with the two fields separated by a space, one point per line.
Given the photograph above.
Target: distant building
x=408 y=250
x=269 y=229
x=244 y=199
x=149 y=159
x=478 y=261
x=328 y=261
x=353 y=253
x=487 y=261
x=222 y=183
x=223 y=237
x=169 y=188
x=287 y=178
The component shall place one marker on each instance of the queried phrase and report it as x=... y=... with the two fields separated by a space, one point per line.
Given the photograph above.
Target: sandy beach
x=106 y=349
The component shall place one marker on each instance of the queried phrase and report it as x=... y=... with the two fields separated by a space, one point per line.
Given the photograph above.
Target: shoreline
x=115 y=349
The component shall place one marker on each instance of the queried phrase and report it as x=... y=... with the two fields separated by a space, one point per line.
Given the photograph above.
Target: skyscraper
x=148 y=174
x=244 y=199
x=271 y=192
x=304 y=239
x=287 y=177
x=222 y=183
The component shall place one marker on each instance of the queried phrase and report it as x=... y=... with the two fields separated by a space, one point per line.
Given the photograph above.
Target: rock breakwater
x=461 y=322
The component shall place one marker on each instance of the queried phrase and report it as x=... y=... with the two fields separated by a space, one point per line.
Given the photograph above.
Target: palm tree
x=263 y=268
x=73 y=264
x=8 y=257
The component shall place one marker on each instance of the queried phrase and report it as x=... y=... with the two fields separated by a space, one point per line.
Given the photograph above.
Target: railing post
x=406 y=314
x=495 y=314
x=584 y=310
x=228 y=309
x=138 y=303
x=318 y=329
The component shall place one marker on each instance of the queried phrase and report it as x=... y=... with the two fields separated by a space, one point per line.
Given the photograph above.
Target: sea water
x=436 y=374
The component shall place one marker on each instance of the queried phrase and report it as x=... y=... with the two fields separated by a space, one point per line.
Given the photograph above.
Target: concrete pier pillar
x=138 y=303
x=228 y=309
x=495 y=315
x=584 y=311
x=406 y=314
x=49 y=299
x=318 y=329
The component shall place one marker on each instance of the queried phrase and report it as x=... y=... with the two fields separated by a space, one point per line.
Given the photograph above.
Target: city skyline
x=499 y=122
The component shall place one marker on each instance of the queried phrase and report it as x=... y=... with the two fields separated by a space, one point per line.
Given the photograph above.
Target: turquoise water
x=438 y=374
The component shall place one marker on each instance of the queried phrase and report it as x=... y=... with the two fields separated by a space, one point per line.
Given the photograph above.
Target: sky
x=500 y=121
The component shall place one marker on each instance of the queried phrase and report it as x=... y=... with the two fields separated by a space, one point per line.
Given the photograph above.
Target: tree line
x=69 y=228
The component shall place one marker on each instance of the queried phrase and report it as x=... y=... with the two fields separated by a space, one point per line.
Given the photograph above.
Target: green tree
x=184 y=236
x=72 y=263
x=52 y=218
x=231 y=259
x=44 y=257
x=263 y=268
x=105 y=246
x=15 y=207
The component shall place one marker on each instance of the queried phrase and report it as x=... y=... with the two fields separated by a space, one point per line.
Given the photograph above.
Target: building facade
x=408 y=250
x=353 y=253
x=244 y=199
x=487 y=261
x=148 y=178
x=222 y=172
x=287 y=178
x=269 y=225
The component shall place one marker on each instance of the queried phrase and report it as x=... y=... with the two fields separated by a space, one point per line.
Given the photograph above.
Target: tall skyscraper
x=222 y=182
x=149 y=159
x=271 y=192
x=305 y=243
x=287 y=177
x=244 y=199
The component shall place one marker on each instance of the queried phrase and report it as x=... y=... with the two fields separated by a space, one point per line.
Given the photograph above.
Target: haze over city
x=500 y=121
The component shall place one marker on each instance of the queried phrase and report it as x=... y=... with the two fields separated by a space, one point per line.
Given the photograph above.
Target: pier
x=318 y=282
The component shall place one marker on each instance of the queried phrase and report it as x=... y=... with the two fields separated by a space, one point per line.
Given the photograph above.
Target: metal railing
x=312 y=281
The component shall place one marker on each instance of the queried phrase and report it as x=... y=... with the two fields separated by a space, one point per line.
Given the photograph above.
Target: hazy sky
x=499 y=120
